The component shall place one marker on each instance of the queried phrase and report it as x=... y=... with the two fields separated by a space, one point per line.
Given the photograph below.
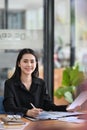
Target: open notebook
x=53 y=115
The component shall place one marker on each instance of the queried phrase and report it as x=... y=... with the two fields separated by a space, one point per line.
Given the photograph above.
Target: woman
x=25 y=87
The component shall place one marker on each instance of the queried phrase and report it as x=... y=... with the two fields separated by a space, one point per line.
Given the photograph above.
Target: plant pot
x=61 y=101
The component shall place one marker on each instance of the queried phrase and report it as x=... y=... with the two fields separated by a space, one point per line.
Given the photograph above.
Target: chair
x=2 y=111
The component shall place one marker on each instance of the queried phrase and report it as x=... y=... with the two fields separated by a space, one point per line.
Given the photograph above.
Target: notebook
x=53 y=115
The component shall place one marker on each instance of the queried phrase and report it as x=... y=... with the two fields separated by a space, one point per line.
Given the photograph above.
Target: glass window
x=62 y=33
x=81 y=33
x=24 y=30
x=62 y=42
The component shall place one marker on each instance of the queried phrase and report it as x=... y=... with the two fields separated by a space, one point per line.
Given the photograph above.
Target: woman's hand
x=34 y=112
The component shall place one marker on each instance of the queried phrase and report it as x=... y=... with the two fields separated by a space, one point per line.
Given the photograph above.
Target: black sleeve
x=48 y=103
x=11 y=103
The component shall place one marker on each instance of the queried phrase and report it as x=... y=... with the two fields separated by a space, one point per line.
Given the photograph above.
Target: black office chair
x=2 y=111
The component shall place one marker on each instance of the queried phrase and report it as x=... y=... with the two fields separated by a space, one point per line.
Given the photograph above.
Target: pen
x=32 y=105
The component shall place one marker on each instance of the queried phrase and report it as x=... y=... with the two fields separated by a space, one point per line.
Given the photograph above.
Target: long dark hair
x=17 y=72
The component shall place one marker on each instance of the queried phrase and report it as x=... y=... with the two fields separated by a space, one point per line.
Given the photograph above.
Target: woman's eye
x=32 y=61
x=25 y=61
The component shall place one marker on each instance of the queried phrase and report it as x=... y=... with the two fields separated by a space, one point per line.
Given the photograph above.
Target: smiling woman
x=27 y=65
x=25 y=87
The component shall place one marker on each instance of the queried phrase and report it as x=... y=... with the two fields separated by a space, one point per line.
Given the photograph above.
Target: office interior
x=55 y=29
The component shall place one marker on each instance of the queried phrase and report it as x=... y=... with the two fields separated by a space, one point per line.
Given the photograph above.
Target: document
x=78 y=101
x=53 y=115
x=72 y=119
x=45 y=115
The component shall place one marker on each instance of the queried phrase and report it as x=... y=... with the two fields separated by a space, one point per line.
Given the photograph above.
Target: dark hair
x=17 y=72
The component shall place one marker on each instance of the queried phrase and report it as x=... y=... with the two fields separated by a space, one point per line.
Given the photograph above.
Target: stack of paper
x=53 y=115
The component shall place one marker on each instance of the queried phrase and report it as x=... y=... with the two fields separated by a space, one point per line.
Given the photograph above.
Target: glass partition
x=81 y=33
x=24 y=29
x=63 y=40
x=62 y=33
x=62 y=43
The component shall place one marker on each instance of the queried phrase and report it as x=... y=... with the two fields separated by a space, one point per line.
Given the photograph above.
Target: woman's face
x=27 y=64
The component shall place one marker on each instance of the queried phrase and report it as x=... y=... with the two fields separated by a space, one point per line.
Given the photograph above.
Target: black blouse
x=17 y=98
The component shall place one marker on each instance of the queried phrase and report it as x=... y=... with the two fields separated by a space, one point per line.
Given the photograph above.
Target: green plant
x=72 y=77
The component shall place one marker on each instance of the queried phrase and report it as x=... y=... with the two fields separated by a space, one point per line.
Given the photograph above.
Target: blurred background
x=56 y=30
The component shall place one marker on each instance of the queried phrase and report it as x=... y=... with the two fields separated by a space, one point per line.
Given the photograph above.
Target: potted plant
x=72 y=78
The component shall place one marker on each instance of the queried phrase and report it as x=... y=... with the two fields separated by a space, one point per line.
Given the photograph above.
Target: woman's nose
x=29 y=63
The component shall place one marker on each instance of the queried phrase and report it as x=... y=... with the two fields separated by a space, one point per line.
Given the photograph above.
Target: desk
x=52 y=125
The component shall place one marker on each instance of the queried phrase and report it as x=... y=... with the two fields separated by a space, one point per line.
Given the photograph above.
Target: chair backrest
x=2 y=111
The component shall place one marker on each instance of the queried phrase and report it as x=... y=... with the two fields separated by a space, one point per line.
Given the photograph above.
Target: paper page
x=66 y=114
x=78 y=101
x=46 y=115
x=53 y=115
x=72 y=119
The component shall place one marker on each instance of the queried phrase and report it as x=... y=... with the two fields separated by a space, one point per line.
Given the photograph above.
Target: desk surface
x=52 y=125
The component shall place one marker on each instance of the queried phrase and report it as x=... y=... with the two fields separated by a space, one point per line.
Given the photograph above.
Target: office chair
x=2 y=111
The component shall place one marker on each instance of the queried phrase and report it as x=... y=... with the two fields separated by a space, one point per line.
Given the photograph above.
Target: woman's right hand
x=34 y=112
